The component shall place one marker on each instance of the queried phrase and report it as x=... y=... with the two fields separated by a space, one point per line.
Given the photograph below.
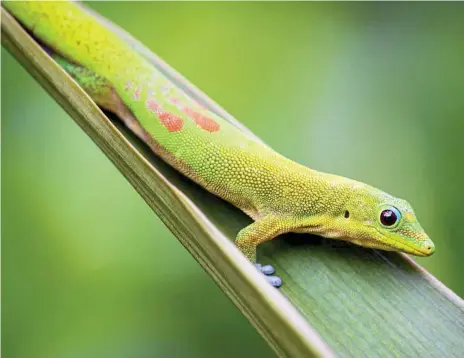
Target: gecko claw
x=269 y=270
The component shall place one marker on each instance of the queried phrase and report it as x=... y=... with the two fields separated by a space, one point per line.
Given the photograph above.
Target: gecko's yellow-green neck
x=279 y=194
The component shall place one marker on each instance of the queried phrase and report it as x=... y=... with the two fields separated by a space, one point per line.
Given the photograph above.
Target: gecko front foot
x=268 y=270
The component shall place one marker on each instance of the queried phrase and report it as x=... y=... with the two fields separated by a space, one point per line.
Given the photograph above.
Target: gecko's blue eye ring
x=390 y=217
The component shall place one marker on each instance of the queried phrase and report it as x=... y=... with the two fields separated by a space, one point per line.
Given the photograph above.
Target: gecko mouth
x=427 y=248
x=377 y=241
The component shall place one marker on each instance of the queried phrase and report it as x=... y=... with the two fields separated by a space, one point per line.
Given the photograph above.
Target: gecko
x=278 y=194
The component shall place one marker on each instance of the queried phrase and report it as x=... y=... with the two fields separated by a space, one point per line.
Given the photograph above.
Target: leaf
x=356 y=301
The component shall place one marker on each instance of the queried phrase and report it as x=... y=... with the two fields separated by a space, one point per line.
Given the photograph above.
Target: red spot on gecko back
x=169 y=120
x=204 y=122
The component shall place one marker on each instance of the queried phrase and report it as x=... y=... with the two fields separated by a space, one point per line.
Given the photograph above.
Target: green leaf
x=356 y=301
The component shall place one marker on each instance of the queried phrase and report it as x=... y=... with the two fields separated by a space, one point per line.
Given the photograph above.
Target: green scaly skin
x=279 y=194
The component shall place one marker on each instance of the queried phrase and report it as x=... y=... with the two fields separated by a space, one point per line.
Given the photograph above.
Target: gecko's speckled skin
x=279 y=194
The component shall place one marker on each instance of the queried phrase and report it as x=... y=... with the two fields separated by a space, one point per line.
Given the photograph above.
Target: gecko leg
x=260 y=231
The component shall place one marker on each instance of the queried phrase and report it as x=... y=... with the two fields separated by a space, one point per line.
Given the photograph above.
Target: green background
x=374 y=92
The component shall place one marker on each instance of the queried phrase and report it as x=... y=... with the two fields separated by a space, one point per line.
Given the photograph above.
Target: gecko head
x=373 y=218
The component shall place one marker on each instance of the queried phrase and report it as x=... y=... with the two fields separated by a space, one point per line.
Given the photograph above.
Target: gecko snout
x=427 y=248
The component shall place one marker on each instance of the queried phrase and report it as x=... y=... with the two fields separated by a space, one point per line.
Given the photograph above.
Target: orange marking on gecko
x=169 y=120
x=202 y=121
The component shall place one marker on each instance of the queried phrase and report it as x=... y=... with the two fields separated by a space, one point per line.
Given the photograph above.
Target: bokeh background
x=374 y=92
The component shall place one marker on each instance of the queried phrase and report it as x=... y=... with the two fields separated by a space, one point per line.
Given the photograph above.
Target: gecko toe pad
x=269 y=270
x=274 y=281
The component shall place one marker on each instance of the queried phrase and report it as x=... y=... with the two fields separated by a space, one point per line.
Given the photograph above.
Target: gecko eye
x=390 y=216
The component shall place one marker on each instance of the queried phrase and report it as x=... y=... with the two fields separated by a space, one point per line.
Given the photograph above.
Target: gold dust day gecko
x=277 y=193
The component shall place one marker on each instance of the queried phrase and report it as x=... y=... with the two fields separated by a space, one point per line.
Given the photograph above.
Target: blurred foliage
x=368 y=91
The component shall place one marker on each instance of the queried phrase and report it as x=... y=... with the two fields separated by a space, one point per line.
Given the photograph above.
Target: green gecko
x=278 y=194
